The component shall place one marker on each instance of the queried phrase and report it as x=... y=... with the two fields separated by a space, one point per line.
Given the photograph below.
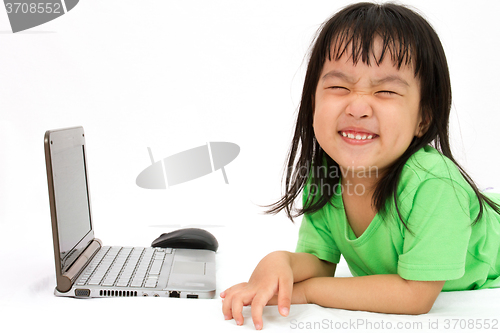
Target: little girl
x=380 y=186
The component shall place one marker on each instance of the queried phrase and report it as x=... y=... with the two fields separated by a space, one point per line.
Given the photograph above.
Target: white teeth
x=357 y=136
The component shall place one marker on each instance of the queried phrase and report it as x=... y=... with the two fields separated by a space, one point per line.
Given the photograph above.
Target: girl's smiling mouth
x=357 y=136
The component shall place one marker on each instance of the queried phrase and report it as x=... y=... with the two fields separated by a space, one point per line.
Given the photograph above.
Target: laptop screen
x=71 y=200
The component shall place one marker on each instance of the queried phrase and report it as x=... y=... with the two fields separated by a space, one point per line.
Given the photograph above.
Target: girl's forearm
x=306 y=266
x=376 y=293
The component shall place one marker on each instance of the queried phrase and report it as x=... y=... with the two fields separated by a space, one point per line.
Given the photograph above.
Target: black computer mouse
x=188 y=238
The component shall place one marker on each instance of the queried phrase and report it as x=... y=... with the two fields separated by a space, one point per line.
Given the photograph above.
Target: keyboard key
x=136 y=283
x=155 y=268
x=150 y=284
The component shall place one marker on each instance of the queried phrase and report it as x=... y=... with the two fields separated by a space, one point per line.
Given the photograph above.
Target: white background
x=173 y=75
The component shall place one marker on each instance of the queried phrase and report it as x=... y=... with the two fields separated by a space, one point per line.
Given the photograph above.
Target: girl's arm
x=273 y=278
x=377 y=293
x=306 y=266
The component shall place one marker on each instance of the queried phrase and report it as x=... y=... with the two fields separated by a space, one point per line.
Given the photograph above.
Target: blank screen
x=72 y=201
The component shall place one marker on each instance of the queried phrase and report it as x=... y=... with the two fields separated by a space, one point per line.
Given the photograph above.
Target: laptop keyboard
x=125 y=267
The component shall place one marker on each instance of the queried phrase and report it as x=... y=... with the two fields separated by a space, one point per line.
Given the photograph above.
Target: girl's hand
x=271 y=282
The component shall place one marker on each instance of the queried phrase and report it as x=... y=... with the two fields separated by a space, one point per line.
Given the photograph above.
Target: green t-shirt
x=439 y=207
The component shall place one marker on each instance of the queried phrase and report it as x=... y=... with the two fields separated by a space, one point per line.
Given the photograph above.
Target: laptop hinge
x=65 y=281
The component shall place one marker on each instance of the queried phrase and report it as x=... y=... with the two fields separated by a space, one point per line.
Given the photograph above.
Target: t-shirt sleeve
x=315 y=237
x=441 y=227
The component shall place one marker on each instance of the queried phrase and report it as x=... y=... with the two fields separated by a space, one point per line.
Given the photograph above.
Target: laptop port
x=192 y=296
x=82 y=292
x=174 y=294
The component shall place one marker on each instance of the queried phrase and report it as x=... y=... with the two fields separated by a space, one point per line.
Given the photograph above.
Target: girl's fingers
x=241 y=299
x=227 y=301
x=259 y=302
x=232 y=289
x=227 y=311
x=238 y=296
x=285 y=296
x=228 y=297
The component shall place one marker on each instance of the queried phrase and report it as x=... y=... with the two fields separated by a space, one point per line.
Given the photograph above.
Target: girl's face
x=365 y=117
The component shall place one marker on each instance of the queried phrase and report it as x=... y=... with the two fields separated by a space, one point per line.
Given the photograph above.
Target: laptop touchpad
x=184 y=267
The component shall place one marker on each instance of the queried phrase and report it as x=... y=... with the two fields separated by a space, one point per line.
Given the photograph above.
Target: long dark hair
x=409 y=39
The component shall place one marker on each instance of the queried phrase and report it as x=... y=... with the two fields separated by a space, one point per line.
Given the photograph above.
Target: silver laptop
x=84 y=267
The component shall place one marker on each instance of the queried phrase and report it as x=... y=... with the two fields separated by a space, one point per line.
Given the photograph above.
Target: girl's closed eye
x=387 y=93
x=339 y=89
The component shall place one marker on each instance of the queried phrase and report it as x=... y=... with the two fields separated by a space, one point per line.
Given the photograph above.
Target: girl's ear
x=424 y=124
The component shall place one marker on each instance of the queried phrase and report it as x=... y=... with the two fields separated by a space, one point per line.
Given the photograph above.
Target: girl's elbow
x=420 y=306
x=420 y=310
x=422 y=296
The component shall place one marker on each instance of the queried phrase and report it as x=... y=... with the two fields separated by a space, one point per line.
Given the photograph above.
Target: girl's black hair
x=409 y=40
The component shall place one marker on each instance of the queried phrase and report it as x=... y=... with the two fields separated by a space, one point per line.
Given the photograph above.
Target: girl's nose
x=359 y=108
